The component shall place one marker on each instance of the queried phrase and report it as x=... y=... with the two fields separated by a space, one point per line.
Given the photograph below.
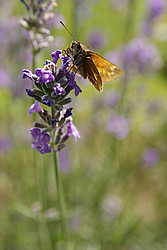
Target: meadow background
x=114 y=177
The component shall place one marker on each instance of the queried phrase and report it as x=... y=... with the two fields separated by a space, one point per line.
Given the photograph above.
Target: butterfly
x=90 y=65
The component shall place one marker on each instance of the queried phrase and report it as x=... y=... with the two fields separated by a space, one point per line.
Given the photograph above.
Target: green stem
x=61 y=202
x=33 y=60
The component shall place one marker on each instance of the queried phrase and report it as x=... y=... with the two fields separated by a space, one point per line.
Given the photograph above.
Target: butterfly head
x=75 y=47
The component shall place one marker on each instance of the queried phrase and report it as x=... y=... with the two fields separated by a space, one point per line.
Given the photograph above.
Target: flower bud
x=38 y=92
x=46 y=89
x=58 y=107
x=61 y=122
x=24 y=24
x=39 y=125
x=65 y=101
x=38 y=85
x=44 y=31
x=60 y=146
x=45 y=129
x=64 y=138
x=57 y=139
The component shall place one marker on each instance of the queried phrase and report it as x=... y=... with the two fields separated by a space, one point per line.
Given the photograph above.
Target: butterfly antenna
x=67 y=30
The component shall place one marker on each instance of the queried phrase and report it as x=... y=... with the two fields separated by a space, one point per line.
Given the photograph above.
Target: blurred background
x=115 y=177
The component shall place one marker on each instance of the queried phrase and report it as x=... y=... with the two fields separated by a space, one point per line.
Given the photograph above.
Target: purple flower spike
x=35 y=108
x=72 y=130
x=58 y=90
x=41 y=141
x=27 y=74
x=51 y=87
x=44 y=75
x=56 y=55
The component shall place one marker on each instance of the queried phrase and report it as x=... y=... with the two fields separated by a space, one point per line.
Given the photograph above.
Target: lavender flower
x=150 y=157
x=72 y=130
x=45 y=76
x=51 y=88
x=35 y=108
x=56 y=55
x=27 y=74
x=58 y=90
x=119 y=126
x=41 y=141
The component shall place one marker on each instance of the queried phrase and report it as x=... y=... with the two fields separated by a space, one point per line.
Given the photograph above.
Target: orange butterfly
x=90 y=65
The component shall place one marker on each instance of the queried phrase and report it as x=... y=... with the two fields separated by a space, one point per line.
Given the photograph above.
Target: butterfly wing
x=107 y=70
x=88 y=69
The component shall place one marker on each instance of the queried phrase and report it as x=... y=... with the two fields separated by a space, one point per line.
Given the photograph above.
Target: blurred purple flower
x=150 y=157
x=156 y=8
x=55 y=22
x=141 y=56
x=41 y=141
x=35 y=107
x=138 y=56
x=96 y=39
x=5 y=144
x=119 y=126
x=9 y=39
